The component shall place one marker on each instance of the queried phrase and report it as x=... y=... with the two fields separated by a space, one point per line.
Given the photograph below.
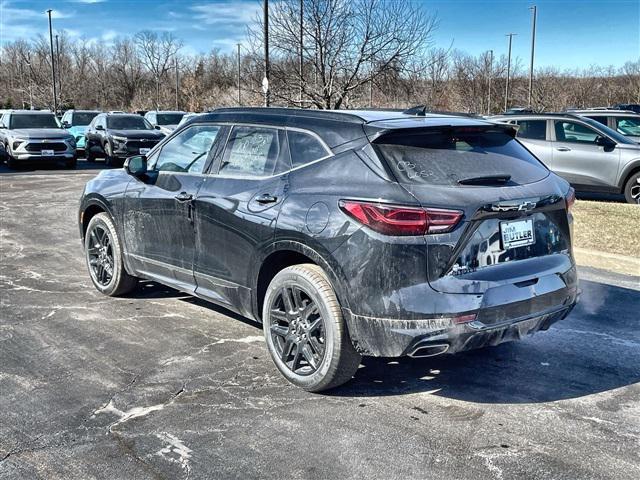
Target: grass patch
x=607 y=227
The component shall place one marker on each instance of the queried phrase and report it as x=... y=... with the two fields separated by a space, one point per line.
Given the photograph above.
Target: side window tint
x=304 y=148
x=600 y=119
x=251 y=151
x=532 y=129
x=573 y=132
x=187 y=151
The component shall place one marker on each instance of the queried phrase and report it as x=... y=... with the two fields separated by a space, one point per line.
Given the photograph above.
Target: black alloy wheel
x=100 y=254
x=297 y=330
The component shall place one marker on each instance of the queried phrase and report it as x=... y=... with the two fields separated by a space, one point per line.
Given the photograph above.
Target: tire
x=108 y=158
x=11 y=162
x=632 y=189
x=88 y=155
x=311 y=300
x=119 y=282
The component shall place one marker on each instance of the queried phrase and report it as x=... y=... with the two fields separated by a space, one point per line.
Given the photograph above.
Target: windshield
x=33 y=120
x=445 y=157
x=628 y=125
x=169 y=118
x=608 y=131
x=129 y=122
x=83 y=118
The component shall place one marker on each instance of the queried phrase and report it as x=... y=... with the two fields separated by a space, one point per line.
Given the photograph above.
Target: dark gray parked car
x=590 y=155
x=345 y=233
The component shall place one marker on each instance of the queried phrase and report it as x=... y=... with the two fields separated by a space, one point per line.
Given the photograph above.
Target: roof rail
x=298 y=112
x=422 y=110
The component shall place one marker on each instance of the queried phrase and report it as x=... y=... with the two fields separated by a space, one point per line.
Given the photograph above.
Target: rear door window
x=252 y=152
x=532 y=129
x=573 y=132
x=449 y=156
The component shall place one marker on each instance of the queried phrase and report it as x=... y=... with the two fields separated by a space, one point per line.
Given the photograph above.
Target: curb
x=607 y=261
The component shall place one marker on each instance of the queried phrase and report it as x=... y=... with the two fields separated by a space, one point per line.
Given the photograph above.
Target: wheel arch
x=632 y=168
x=285 y=254
x=89 y=209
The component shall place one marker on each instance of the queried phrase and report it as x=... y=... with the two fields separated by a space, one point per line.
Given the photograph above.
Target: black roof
x=335 y=127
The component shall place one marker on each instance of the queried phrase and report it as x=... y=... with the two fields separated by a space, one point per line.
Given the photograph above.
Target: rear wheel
x=632 y=189
x=305 y=332
x=103 y=252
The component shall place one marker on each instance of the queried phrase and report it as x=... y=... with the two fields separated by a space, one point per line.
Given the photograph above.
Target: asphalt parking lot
x=161 y=385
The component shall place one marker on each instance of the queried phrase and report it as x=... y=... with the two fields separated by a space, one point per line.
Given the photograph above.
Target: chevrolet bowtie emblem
x=526 y=206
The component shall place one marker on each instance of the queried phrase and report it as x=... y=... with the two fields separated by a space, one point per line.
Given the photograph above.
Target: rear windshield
x=449 y=156
x=83 y=118
x=29 y=120
x=130 y=122
x=169 y=118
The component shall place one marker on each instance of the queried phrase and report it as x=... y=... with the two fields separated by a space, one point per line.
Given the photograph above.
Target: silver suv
x=591 y=156
x=28 y=135
x=625 y=122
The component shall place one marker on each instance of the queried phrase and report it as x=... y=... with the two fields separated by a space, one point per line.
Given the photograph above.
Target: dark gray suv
x=345 y=233
x=590 y=155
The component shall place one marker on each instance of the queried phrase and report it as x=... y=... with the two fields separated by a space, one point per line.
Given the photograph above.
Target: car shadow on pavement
x=596 y=349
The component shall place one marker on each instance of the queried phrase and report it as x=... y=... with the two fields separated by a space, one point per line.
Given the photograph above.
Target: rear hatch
x=514 y=227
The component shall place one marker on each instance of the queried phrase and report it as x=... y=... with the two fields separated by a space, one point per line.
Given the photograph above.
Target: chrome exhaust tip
x=426 y=350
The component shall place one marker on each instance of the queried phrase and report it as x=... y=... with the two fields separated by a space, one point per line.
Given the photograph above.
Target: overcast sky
x=571 y=33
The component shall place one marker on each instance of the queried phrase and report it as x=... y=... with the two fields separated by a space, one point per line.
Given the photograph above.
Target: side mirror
x=157 y=127
x=99 y=127
x=605 y=142
x=66 y=124
x=136 y=166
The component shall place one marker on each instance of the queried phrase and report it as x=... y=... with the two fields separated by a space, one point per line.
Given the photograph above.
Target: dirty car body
x=438 y=233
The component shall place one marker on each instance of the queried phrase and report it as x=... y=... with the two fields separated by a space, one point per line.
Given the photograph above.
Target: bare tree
x=156 y=54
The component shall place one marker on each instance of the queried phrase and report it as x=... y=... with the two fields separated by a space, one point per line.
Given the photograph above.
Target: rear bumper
x=382 y=337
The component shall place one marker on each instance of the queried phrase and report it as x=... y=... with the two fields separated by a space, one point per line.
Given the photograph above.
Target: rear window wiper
x=486 y=180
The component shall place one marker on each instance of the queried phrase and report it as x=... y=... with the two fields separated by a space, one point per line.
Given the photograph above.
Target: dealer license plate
x=47 y=152
x=144 y=151
x=518 y=233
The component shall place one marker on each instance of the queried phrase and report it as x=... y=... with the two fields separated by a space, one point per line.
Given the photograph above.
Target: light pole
x=175 y=58
x=239 y=100
x=534 y=10
x=53 y=67
x=506 y=89
x=301 y=60
x=265 y=80
x=490 y=71
x=58 y=69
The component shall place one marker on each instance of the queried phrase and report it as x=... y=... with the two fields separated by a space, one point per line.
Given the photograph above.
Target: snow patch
x=175 y=451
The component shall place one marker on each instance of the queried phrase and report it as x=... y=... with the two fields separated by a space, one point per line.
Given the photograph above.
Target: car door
x=579 y=159
x=236 y=211
x=158 y=218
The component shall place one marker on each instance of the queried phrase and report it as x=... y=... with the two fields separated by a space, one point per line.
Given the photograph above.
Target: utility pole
x=175 y=58
x=53 y=67
x=490 y=72
x=58 y=69
x=30 y=81
x=265 y=80
x=239 y=100
x=301 y=64
x=506 y=90
x=534 y=10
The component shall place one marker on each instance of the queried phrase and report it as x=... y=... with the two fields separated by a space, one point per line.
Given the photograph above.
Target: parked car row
x=36 y=135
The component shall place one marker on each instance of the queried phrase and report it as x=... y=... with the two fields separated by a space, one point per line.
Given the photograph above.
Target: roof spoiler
x=389 y=134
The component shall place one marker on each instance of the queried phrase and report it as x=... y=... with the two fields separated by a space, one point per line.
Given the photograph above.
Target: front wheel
x=305 y=332
x=632 y=189
x=103 y=253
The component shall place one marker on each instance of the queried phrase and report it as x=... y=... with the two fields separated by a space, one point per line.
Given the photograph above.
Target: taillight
x=401 y=220
x=570 y=198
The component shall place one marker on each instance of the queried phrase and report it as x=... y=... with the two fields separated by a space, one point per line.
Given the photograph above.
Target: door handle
x=563 y=149
x=266 y=198
x=184 y=197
